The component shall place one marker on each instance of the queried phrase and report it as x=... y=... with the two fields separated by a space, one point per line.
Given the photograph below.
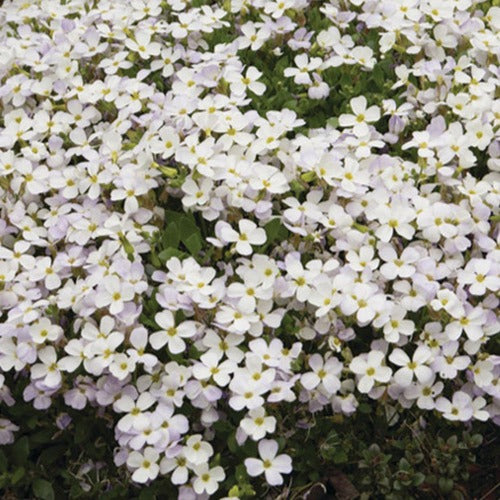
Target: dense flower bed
x=223 y=219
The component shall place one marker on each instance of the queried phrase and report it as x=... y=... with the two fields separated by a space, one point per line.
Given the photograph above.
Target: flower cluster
x=338 y=256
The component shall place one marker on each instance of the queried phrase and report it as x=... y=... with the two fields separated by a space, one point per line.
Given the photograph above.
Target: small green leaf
x=445 y=484
x=21 y=450
x=275 y=231
x=232 y=443
x=418 y=479
x=43 y=489
x=193 y=244
x=365 y=408
x=333 y=122
x=82 y=433
x=50 y=455
x=147 y=494
x=234 y=491
x=17 y=475
x=3 y=462
x=168 y=253
x=241 y=473
x=171 y=236
x=308 y=176
x=378 y=76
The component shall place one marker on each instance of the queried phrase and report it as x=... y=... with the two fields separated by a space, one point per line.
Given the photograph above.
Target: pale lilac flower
x=369 y=369
x=414 y=367
x=270 y=463
x=145 y=464
x=207 y=480
x=249 y=234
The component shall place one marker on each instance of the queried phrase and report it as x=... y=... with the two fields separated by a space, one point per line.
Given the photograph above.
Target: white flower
x=394 y=218
x=448 y=301
x=425 y=394
x=143 y=45
x=239 y=83
x=121 y=366
x=249 y=234
x=7 y=429
x=304 y=67
x=483 y=372
x=178 y=466
x=207 y=480
x=145 y=464
x=460 y=408
x=362 y=259
x=44 y=331
x=480 y=275
x=171 y=335
x=44 y=269
x=196 y=194
x=197 y=451
x=448 y=363
x=211 y=367
x=113 y=293
x=324 y=372
x=398 y=266
x=412 y=367
x=397 y=325
x=362 y=115
x=257 y=423
x=370 y=370
x=136 y=417
x=364 y=301
x=301 y=279
x=48 y=370
x=246 y=393
x=252 y=36
x=271 y=464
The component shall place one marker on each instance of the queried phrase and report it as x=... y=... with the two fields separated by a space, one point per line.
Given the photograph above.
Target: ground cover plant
x=249 y=249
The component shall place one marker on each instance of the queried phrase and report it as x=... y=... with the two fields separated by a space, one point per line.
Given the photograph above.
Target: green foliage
x=372 y=459
x=180 y=237
x=275 y=233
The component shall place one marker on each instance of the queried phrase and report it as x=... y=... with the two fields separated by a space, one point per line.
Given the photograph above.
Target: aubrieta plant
x=230 y=227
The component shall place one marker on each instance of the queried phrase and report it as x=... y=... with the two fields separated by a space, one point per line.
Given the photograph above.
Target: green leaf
x=82 y=433
x=281 y=64
x=18 y=474
x=365 y=408
x=241 y=473
x=193 y=244
x=445 y=484
x=128 y=247
x=3 y=462
x=41 y=437
x=476 y=440
x=147 y=494
x=418 y=479
x=50 y=455
x=340 y=457
x=234 y=491
x=173 y=216
x=232 y=444
x=187 y=227
x=21 y=450
x=43 y=489
x=378 y=76
x=333 y=122
x=171 y=236
x=169 y=253
x=155 y=260
x=275 y=231
x=32 y=422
